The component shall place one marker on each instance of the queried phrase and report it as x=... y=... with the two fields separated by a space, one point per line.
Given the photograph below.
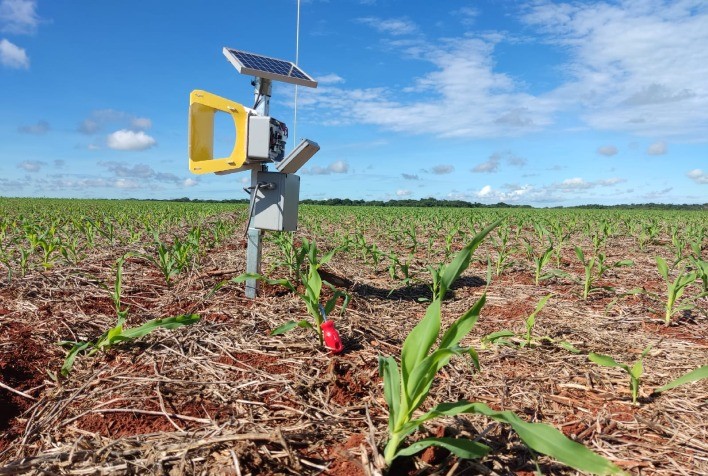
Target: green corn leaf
x=463 y=325
x=313 y=286
x=662 y=267
x=422 y=376
x=495 y=336
x=637 y=369
x=290 y=325
x=624 y=262
x=692 y=376
x=460 y=447
x=607 y=361
x=462 y=260
x=166 y=323
x=475 y=358
x=388 y=369
x=327 y=257
x=569 y=347
x=421 y=338
x=579 y=254
x=539 y=437
x=71 y=357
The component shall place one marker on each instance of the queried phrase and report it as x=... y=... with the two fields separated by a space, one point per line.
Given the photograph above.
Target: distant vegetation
x=431 y=202
x=434 y=202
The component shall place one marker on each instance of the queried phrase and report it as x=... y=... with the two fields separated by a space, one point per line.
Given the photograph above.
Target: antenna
x=297 y=57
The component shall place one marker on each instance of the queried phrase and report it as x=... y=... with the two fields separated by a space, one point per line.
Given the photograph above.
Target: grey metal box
x=258 y=137
x=277 y=209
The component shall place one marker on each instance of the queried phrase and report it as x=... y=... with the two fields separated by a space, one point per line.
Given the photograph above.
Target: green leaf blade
x=692 y=376
x=463 y=448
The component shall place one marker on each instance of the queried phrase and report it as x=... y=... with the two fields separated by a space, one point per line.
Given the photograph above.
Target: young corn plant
x=503 y=250
x=675 y=289
x=540 y=262
x=117 y=333
x=595 y=268
x=406 y=388
x=312 y=283
x=634 y=372
x=444 y=275
x=511 y=338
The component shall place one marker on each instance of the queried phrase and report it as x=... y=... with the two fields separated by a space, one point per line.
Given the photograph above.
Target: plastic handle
x=331 y=337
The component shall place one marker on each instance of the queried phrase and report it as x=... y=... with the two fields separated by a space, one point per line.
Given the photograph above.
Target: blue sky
x=542 y=103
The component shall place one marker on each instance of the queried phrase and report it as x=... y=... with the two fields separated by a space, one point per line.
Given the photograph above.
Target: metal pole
x=253 y=252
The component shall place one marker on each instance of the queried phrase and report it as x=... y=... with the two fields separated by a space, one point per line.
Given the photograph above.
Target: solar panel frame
x=252 y=64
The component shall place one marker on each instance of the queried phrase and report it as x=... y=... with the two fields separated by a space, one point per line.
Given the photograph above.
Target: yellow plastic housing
x=202 y=108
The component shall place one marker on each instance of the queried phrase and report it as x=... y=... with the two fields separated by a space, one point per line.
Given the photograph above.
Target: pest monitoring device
x=260 y=139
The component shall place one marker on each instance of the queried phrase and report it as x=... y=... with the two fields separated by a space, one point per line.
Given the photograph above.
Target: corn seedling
x=634 y=372
x=117 y=334
x=701 y=272
x=406 y=388
x=503 y=250
x=511 y=338
x=312 y=283
x=595 y=268
x=675 y=289
x=444 y=275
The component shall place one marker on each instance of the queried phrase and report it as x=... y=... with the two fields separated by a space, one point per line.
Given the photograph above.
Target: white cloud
x=127 y=183
x=12 y=56
x=698 y=176
x=653 y=195
x=514 y=193
x=488 y=167
x=410 y=176
x=610 y=181
x=18 y=16
x=130 y=140
x=657 y=148
x=466 y=15
x=636 y=66
x=337 y=167
x=446 y=103
x=190 y=182
x=393 y=26
x=577 y=183
x=31 y=165
x=486 y=190
x=331 y=78
x=141 y=123
x=403 y=193
x=492 y=164
x=40 y=128
x=607 y=150
x=443 y=169
x=141 y=173
x=100 y=118
x=632 y=66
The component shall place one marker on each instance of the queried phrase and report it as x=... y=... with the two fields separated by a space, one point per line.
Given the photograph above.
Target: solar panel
x=269 y=68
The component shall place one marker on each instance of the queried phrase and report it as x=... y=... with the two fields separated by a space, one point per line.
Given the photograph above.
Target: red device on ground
x=331 y=336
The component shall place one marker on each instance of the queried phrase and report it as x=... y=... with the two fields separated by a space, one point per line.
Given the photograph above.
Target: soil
x=223 y=396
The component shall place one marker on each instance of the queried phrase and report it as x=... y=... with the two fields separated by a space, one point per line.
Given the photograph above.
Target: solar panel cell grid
x=287 y=70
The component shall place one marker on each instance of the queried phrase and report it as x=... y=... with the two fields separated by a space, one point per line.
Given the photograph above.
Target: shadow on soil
x=417 y=292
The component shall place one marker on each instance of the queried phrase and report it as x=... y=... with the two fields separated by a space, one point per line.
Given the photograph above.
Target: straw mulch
x=224 y=397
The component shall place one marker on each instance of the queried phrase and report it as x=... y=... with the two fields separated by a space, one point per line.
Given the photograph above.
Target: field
x=224 y=396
